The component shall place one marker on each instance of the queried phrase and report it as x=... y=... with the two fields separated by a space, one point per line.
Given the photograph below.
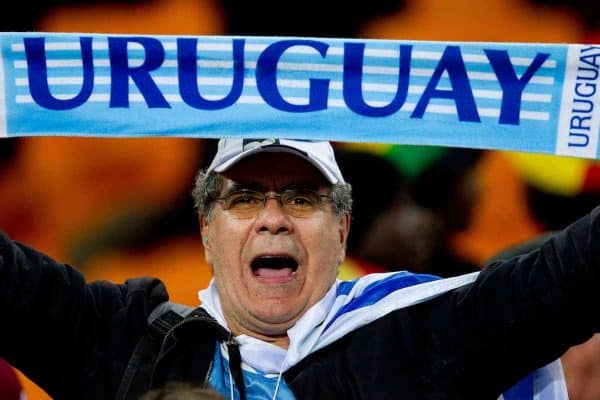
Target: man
x=275 y=323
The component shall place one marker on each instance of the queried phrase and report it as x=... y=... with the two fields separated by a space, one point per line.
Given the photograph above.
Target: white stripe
x=519 y=61
x=61 y=63
x=565 y=144
x=68 y=80
x=534 y=115
x=488 y=76
x=549 y=382
x=497 y=94
x=476 y=58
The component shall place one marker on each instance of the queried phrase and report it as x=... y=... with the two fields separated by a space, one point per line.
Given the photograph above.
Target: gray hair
x=208 y=185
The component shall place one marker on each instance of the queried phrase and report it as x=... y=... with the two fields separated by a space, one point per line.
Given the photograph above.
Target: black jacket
x=75 y=339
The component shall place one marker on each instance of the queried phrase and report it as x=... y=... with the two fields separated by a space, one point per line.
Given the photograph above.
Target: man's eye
x=302 y=199
x=242 y=199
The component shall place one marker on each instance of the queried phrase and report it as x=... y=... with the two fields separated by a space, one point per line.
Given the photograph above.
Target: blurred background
x=117 y=208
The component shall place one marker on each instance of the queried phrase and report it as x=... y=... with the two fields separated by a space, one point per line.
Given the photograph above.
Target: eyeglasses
x=246 y=203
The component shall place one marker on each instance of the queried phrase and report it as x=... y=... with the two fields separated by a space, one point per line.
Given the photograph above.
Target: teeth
x=274 y=263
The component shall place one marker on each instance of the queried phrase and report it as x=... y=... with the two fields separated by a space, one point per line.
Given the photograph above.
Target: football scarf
x=511 y=96
x=347 y=306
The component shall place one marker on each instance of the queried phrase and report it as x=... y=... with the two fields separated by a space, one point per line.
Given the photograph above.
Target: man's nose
x=272 y=217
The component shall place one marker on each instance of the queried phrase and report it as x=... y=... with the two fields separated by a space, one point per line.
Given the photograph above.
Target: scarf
x=347 y=306
x=528 y=97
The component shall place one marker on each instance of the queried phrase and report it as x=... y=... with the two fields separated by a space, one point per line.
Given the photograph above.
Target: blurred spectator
x=10 y=385
x=407 y=223
x=378 y=240
x=182 y=391
x=449 y=186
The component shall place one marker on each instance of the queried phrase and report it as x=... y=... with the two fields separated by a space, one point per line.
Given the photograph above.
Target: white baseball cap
x=318 y=153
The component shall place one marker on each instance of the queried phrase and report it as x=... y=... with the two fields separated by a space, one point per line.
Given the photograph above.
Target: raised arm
x=57 y=329
x=525 y=312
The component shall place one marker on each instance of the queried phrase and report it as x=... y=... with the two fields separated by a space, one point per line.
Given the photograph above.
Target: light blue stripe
x=258 y=385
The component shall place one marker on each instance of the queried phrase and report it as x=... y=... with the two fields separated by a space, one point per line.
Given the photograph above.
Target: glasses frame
x=265 y=196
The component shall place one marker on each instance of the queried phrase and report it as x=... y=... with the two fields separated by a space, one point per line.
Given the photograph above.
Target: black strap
x=139 y=367
x=235 y=366
x=163 y=319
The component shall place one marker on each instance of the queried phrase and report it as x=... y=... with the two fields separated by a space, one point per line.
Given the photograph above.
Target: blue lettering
x=121 y=72
x=582 y=123
x=512 y=86
x=461 y=92
x=585 y=103
x=589 y=91
x=592 y=76
x=580 y=126
x=590 y=60
x=353 y=75
x=266 y=78
x=584 y=139
x=188 y=76
x=37 y=72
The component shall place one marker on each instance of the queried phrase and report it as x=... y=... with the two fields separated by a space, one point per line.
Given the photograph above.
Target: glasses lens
x=245 y=203
x=300 y=203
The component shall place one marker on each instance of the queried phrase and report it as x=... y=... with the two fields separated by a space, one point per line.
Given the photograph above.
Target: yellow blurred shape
x=555 y=174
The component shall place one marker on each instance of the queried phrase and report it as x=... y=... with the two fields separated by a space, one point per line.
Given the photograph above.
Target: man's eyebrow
x=237 y=186
x=299 y=186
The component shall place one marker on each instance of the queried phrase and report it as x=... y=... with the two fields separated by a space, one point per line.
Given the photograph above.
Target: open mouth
x=274 y=269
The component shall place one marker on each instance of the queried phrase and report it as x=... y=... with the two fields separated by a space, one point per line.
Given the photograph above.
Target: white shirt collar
x=264 y=356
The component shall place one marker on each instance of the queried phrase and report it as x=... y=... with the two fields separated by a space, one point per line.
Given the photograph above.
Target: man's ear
x=344 y=228
x=204 y=229
x=344 y=231
x=205 y=239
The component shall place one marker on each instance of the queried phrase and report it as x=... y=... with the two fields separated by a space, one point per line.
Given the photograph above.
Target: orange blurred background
x=88 y=201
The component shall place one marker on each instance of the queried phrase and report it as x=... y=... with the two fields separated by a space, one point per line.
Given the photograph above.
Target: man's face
x=270 y=268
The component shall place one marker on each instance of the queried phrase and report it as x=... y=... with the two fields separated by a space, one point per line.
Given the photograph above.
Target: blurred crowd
x=117 y=208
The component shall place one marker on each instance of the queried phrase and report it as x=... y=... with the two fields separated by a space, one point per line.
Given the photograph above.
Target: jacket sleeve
x=59 y=330
x=525 y=312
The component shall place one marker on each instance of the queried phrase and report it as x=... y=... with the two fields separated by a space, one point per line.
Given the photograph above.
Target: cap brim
x=278 y=148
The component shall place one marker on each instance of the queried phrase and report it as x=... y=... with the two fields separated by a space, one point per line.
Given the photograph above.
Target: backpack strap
x=160 y=321
x=137 y=377
x=163 y=308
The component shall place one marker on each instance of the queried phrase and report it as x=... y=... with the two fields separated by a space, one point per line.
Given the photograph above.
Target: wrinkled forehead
x=274 y=170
